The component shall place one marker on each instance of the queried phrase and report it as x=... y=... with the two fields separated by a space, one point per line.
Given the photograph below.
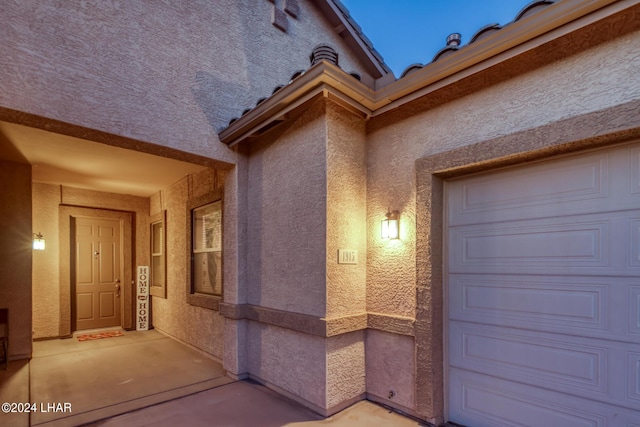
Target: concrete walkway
x=245 y=403
x=147 y=378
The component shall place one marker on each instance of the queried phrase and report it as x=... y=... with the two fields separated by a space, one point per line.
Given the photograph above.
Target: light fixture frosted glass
x=390 y=226
x=38 y=242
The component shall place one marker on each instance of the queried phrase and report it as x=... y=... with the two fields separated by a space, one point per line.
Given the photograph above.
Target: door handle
x=117 y=290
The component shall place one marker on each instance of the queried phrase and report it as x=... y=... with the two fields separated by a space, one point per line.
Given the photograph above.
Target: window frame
x=210 y=301
x=158 y=291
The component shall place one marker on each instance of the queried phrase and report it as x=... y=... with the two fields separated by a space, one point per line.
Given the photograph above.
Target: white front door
x=543 y=283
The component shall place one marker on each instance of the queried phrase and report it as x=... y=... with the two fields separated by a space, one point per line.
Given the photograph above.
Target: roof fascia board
x=324 y=78
x=556 y=20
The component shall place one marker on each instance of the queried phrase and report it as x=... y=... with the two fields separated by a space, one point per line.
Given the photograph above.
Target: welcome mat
x=100 y=335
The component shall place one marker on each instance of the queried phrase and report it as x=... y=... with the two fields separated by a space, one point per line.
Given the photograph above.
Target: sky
x=407 y=32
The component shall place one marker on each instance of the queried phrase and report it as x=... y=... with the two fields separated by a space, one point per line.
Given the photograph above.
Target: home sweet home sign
x=142 y=300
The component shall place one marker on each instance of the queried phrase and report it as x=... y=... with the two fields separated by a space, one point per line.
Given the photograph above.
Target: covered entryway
x=542 y=279
x=83 y=278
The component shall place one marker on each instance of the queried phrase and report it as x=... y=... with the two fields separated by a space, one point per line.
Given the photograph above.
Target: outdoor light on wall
x=391 y=226
x=38 y=242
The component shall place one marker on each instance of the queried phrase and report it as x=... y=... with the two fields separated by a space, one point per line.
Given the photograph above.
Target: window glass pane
x=157 y=255
x=207 y=274
x=157 y=270
x=156 y=238
x=207 y=228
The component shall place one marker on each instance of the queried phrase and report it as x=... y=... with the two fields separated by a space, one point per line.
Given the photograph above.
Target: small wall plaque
x=347 y=256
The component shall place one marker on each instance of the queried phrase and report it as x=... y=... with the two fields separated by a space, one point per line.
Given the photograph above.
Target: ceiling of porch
x=65 y=160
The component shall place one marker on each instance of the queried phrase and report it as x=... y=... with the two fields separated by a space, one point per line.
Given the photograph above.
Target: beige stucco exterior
x=306 y=173
x=197 y=326
x=15 y=250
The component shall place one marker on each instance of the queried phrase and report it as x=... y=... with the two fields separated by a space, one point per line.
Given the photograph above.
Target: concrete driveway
x=147 y=378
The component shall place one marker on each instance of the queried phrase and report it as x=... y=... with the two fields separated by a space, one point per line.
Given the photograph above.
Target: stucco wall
x=290 y=360
x=235 y=265
x=345 y=368
x=391 y=368
x=169 y=73
x=200 y=327
x=346 y=229
x=346 y=211
x=46 y=264
x=287 y=216
x=16 y=255
x=305 y=202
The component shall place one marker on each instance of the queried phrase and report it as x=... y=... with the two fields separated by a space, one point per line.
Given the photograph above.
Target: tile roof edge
x=356 y=32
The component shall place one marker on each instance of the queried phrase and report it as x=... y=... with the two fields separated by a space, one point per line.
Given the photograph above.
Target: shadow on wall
x=210 y=92
x=254 y=273
x=10 y=153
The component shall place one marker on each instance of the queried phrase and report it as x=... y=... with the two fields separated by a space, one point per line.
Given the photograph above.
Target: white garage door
x=543 y=279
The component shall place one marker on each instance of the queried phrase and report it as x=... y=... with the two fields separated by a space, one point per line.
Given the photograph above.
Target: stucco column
x=346 y=256
x=16 y=255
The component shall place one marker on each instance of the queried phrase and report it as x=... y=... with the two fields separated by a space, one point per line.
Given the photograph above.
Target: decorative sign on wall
x=142 y=300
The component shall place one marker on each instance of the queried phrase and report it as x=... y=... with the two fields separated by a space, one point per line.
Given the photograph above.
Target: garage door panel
x=521 y=246
x=579 y=245
x=573 y=365
x=544 y=303
x=479 y=401
x=634 y=246
x=603 y=181
x=634 y=310
x=634 y=160
x=538 y=190
x=633 y=385
x=597 y=307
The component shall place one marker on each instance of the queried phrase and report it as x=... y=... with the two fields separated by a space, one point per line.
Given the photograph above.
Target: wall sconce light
x=391 y=226
x=38 y=242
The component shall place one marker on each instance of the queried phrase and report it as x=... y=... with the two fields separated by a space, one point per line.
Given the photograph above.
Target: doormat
x=108 y=334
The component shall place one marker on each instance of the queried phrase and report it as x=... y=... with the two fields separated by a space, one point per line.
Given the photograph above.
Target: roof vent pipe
x=454 y=40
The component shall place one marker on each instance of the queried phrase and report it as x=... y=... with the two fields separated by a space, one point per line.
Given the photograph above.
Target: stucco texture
x=173 y=77
x=293 y=361
x=46 y=264
x=287 y=217
x=391 y=367
x=345 y=368
x=346 y=211
x=306 y=202
x=200 y=327
x=16 y=255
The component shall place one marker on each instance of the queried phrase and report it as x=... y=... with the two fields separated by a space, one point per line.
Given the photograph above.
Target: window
x=158 y=255
x=207 y=249
x=205 y=284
